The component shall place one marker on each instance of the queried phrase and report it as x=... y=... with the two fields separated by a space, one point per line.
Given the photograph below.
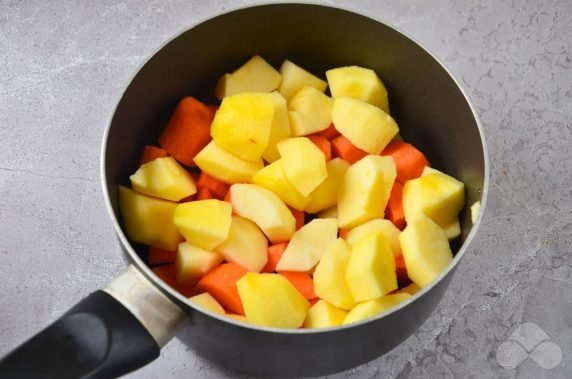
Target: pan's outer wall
x=431 y=110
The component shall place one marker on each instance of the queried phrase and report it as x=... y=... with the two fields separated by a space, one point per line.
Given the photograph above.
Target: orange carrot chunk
x=188 y=130
x=302 y=281
x=401 y=271
x=299 y=216
x=217 y=188
x=394 y=208
x=343 y=148
x=409 y=162
x=220 y=282
x=167 y=273
x=274 y=254
x=343 y=233
x=323 y=144
x=150 y=153
x=330 y=133
x=204 y=194
x=159 y=256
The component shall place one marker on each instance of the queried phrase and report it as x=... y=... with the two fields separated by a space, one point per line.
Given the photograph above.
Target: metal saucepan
x=123 y=327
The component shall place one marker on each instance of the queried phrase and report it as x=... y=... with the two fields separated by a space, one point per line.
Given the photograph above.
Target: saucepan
x=123 y=327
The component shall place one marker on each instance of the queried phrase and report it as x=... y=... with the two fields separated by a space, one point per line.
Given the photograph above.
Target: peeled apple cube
x=310 y=111
x=452 y=229
x=224 y=166
x=206 y=301
x=324 y=315
x=365 y=190
x=204 y=223
x=256 y=75
x=304 y=164
x=246 y=245
x=326 y=194
x=280 y=128
x=369 y=309
x=242 y=124
x=371 y=269
x=426 y=250
x=294 y=78
x=365 y=125
x=192 y=263
x=265 y=209
x=389 y=231
x=271 y=300
x=149 y=220
x=163 y=178
x=308 y=245
x=358 y=83
x=331 y=212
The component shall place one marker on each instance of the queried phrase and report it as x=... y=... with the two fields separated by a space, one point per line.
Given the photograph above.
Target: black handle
x=97 y=338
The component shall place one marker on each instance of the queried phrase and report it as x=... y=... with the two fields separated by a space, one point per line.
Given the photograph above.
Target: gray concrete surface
x=63 y=65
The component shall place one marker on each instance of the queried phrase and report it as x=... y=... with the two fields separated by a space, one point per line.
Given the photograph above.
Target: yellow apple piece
x=326 y=194
x=475 y=210
x=224 y=166
x=308 y=245
x=310 y=111
x=149 y=220
x=294 y=78
x=330 y=275
x=304 y=164
x=271 y=300
x=265 y=209
x=324 y=315
x=256 y=75
x=331 y=212
x=236 y=317
x=242 y=124
x=246 y=245
x=387 y=228
x=365 y=190
x=206 y=301
x=358 y=83
x=365 y=125
x=452 y=229
x=204 y=223
x=192 y=263
x=426 y=250
x=273 y=178
x=163 y=178
x=411 y=289
x=371 y=308
x=280 y=128
x=371 y=269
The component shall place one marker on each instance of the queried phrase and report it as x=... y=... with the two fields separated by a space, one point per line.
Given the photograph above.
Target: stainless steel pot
x=122 y=327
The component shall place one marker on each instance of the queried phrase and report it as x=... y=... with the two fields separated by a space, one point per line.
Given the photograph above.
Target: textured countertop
x=63 y=67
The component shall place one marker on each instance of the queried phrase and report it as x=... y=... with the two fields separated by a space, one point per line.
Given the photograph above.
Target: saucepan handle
x=108 y=334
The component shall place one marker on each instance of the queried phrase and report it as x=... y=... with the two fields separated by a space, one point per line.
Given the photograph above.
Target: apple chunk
x=280 y=128
x=371 y=308
x=324 y=315
x=326 y=194
x=206 y=301
x=358 y=83
x=256 y=75
x=193 y=262
x=163 y=178
x=310 y=111
x=294 y=78
x=389 y=231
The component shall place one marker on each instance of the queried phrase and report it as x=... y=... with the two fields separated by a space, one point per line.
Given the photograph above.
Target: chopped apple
x=271 y=300
x=192 y=263
x=452 y=229
x=326 y=194
x=475 y=209
x=242 y=124
x=204 y=223
x=425 y=249
x=365 y=125
x=236 y=317
x=324 y=315
x=304 y=164
x=246 y=245
x=369 y=309
x=224 y=166
x=411 y=289
x=280 y=128
x=330 y=275
x=149 y=220
x=163 y=178
x=430 y=170
x=308 y=245
x=371 y=269
x=206 y=301
x=310 y=111
x=358 y=83
x=387 y=228
x=264 y=208
x=294 y=78
x=331 y=212
x=365 y=190
x=256 y=75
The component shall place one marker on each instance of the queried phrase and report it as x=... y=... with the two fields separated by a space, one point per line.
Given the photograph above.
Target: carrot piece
x=150 y=153
x=188 y=130
x=204 y=194
x=313 y=301
x=343 y=148
x=394 y=208
x=217 y=188
x=274 y=254
x=323 y=144
x=302 y=281
x=168 y=274
x=299 y=216
x=160 y=256
x=401 y=271
x=409 y=162
x=220 y=282
x=330 y=133
x=343 y=233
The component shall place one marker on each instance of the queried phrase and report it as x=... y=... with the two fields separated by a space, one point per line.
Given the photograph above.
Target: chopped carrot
x=343 y=148
x=330 y=133
x=302 y=281
x=323 y=144
x=409 y=162
x=299 y=216
x=204 y=194
x=188 y=130
x=313 y=301
x=274 y=255
x=150 y=153
x=227 y=196
x=217 y=188
x=160 y=256
x=220 y=282
x=168 y=274
x=401 y=271
x=343 y=233
x=394 y=208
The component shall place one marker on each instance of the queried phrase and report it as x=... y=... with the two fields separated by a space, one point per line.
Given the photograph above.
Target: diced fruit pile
x=286 y=207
